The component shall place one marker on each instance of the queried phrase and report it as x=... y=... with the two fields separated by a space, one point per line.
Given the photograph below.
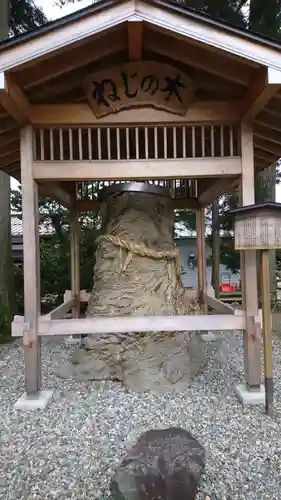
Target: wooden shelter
x=133 y=90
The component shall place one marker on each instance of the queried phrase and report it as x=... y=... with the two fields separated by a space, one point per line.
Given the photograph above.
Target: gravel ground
x=70 y=450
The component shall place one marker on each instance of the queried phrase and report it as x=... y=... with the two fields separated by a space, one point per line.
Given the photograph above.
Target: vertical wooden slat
x=203 y=141
x=118 y=143
x=99 y=143
x=42 y=145
x=193 y=142
x=70 y=142
x=165 y=142
x=146 y=142
x=184 y=142
x=155 y=143
x=127 y=143
x=61 y=144
x=90 y=147
x=222 y=140
x=80 y=145
x=231 y=140
x=174 y=142
x=108 y=143
x=31 y=340
x=212 y=141
x=252 y=334
x=51 y=136
x=137 y=143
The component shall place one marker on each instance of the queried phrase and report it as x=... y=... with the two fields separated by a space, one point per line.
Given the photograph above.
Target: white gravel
x=70 y=450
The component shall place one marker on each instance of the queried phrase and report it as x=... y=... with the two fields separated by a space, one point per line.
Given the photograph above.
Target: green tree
x=55 y=250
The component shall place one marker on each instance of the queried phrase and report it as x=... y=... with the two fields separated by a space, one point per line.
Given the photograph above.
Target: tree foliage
x=25 y=15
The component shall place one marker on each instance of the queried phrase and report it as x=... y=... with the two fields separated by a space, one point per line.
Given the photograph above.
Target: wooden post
x=31 y=252
x=200 y=226
x=75 y=263
x=252 y=334
x=267 y=330
x=216 y=248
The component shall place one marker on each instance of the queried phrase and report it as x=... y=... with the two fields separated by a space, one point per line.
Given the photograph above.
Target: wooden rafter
x=262 y=132
x=76 y=58
x=13 y=100
x=263 y=155
x=197 y=57
x=135 y=40
x=268 y=147
x=258 y=95
x=269 y=121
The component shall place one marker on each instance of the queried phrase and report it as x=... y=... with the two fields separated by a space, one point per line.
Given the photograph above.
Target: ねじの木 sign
x=136 y=84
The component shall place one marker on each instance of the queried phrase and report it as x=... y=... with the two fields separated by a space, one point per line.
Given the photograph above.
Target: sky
x=52 y=12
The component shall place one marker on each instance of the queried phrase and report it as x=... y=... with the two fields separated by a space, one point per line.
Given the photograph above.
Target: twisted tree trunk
x=137 y=274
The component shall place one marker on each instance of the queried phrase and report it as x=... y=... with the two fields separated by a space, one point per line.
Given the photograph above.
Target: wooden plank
x=77 y=57
x=215 y=189
x=31 y=261
x=202 y=112
x=100 y=325
x=217 y=305
x=135 y=40
x=55 y=190
x=252 y=334
x=267 y=330
x=258 y=95
x=201 y=259
x=59 y=312
x=197 y=57
x=261 y=131
x=133 y=169
x=75 y=263
x=94 y=205
x=51 y=41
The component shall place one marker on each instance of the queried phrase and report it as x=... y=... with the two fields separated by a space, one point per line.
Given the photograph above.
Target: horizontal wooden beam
x=146 y=324
x=258 y=95
x=94 y=205
x=81 y=114
x=56 y=191
x=190 y=168
x=216 y=189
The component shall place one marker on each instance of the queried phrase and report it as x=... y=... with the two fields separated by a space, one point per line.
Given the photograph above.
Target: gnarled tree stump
x=137 y=274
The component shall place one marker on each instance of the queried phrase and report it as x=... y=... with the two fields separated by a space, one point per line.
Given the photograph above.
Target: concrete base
x=73 y=340
x=37 y=402
x=250 y=398
x=208 y=337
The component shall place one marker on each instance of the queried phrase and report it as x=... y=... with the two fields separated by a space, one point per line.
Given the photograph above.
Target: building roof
x=45 y=227
x=48 y=66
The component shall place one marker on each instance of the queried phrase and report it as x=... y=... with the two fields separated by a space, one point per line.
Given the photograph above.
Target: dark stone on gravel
x=164 y=464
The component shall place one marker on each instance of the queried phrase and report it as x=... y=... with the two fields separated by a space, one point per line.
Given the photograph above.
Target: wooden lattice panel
x=135 y=143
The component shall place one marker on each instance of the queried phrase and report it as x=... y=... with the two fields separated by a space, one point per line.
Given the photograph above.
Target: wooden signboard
x=258 y=231
x=135 y=84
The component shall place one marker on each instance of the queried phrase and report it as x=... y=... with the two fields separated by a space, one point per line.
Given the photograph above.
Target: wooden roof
x=49 y=65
